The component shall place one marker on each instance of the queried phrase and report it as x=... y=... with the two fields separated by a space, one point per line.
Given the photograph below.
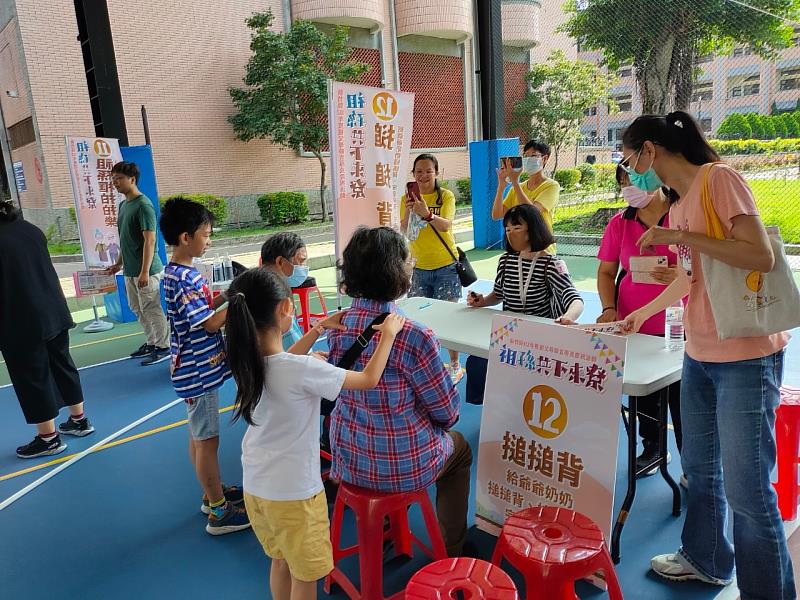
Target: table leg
x=663 y=406
x=631 y=493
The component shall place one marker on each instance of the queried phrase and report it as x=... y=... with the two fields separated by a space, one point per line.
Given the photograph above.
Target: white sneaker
x=675 y=567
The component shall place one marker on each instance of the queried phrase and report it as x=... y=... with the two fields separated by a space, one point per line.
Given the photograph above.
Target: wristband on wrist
x=605 y=308
x=429 y=218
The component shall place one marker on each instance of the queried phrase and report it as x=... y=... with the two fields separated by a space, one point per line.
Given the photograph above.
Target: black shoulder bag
x=466 y=274
x=350 y=357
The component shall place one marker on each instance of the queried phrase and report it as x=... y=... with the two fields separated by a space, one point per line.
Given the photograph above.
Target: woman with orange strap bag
x=730 y=388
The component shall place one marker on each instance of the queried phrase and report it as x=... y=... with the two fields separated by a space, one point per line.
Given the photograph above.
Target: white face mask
x=635 y=197
x=532 y=164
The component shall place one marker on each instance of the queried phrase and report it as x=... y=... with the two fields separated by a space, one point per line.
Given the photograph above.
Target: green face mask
x=648 y=181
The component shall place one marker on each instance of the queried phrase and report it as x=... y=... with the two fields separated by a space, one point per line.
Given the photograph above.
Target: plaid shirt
x=393 y=438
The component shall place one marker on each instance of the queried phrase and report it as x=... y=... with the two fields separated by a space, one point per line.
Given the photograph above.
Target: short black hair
x=127 y=168
x=180 y=215
x=285 y=244
x=8 y=211
x=373 y=265
x=541 y=147
x=539 y=235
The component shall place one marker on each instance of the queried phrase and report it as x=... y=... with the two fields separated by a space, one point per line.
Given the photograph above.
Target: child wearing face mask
x=279 y=397
x=538 y=190
x=620 y=295
x=529 y=280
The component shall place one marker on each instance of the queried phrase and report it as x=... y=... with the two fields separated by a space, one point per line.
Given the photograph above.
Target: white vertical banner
x=96 y=201
x=550 y=422
x=369 y=131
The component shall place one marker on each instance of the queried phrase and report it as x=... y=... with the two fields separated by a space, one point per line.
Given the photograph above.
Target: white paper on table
x=613 y=328
x=641 y=266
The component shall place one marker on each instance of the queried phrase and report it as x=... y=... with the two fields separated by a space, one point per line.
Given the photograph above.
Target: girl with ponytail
x=729 y=390
x=279 y=395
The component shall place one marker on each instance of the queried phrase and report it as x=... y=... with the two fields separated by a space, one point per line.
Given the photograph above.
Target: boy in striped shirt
x=199 y=365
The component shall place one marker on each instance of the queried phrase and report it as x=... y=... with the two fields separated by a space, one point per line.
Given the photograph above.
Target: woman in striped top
x=529 y=281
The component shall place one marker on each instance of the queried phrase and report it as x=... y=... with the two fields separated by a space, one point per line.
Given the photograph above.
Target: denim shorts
x=439 y=284
x=203 y=413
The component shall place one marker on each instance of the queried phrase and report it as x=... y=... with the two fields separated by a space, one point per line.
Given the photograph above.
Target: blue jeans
x=439 y=284
x=728 y=414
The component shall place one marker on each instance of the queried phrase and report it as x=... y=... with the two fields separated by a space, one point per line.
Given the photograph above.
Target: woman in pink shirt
x=730 y=389
x=620 y=295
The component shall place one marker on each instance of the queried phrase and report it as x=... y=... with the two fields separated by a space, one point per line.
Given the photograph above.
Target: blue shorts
x=439 y=284
x=203 y=414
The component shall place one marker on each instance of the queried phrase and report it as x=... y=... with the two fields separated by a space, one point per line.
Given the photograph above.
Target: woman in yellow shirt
x=540 y=191
x=435 y=269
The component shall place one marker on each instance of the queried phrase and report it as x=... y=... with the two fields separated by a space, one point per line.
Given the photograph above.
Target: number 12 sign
x=550 y=421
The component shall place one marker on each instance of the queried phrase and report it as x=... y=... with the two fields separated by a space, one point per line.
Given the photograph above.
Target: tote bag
x=748 y=303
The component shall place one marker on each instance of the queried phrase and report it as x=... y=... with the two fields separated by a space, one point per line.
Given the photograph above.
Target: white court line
x=32 y=486
x=731 y=591
x=108 y=362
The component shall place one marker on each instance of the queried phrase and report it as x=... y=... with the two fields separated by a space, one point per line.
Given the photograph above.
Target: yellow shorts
x=297 y=531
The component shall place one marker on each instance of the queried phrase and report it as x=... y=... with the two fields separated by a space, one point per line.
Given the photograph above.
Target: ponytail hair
x=435 y=161
x=253 y=299
x=678 y=132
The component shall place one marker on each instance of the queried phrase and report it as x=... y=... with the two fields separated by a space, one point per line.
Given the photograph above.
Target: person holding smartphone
x=538 y=190
x=425 y=206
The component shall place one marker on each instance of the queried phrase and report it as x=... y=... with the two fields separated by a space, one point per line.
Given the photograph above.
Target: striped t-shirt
x=549 y=293
x=199 y=363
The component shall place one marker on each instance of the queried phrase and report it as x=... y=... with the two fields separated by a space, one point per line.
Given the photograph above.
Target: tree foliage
x=735 y=127
x=663 y=39
x=286 y=95
x=559 y=91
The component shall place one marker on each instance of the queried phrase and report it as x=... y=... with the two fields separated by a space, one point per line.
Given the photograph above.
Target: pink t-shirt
x=731 y=197
x=618 y=245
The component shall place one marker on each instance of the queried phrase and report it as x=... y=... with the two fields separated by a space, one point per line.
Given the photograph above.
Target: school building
x=87 y=67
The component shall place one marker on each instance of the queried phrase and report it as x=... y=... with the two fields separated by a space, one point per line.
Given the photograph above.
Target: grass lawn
x=62 y=248
x=778 y=202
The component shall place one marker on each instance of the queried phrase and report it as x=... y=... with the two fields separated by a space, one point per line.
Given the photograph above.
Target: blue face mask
x=648 y=181
x=298 y=276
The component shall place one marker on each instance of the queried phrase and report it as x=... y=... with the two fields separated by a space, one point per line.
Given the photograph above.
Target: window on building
x=789 y=79
x=705 y=125
x=610 y=135
x=796 y=36
x=625 y=71
x=590 y=112
x=593 y=133
x=752 y=86
x=703 y=92
x=742 y=51
x=21 y=134
x=704 y=58
x=438 y=118
x=624 y=103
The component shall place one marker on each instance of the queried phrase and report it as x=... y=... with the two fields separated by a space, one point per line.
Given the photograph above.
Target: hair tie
x=240 y=295
x=678 y=123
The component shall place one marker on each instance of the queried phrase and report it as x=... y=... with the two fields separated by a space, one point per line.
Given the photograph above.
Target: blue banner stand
x=116 y=303
x=484 y=159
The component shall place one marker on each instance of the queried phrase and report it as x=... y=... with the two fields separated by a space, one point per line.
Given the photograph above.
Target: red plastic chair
x=554 y=547
x=370 y=509
x=304 y=294
x=474 y=579
x=787 y=437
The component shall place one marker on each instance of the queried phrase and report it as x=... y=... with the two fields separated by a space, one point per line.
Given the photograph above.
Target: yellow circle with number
x=545 y=412
x=384 y=105
x=754 y=281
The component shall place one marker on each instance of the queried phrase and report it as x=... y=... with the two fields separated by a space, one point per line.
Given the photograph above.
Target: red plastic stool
x=787 y=437
x=370 y=509
x=553 y=547
x=474 y=579
x=304 y=293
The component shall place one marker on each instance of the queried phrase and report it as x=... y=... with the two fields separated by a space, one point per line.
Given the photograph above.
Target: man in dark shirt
x=34 y=336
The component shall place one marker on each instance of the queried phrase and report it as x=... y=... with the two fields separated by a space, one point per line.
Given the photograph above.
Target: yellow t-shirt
x=427 y=248
x=546 y=194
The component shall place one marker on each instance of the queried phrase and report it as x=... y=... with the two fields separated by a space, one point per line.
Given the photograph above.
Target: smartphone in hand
x=514 y=162
x=412 y=190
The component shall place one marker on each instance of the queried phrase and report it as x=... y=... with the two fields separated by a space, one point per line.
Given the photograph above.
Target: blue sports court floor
x=124 y=522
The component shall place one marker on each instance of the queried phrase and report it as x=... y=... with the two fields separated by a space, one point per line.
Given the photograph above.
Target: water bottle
x=673 y=327
x=227 y=266
x=217 y=270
